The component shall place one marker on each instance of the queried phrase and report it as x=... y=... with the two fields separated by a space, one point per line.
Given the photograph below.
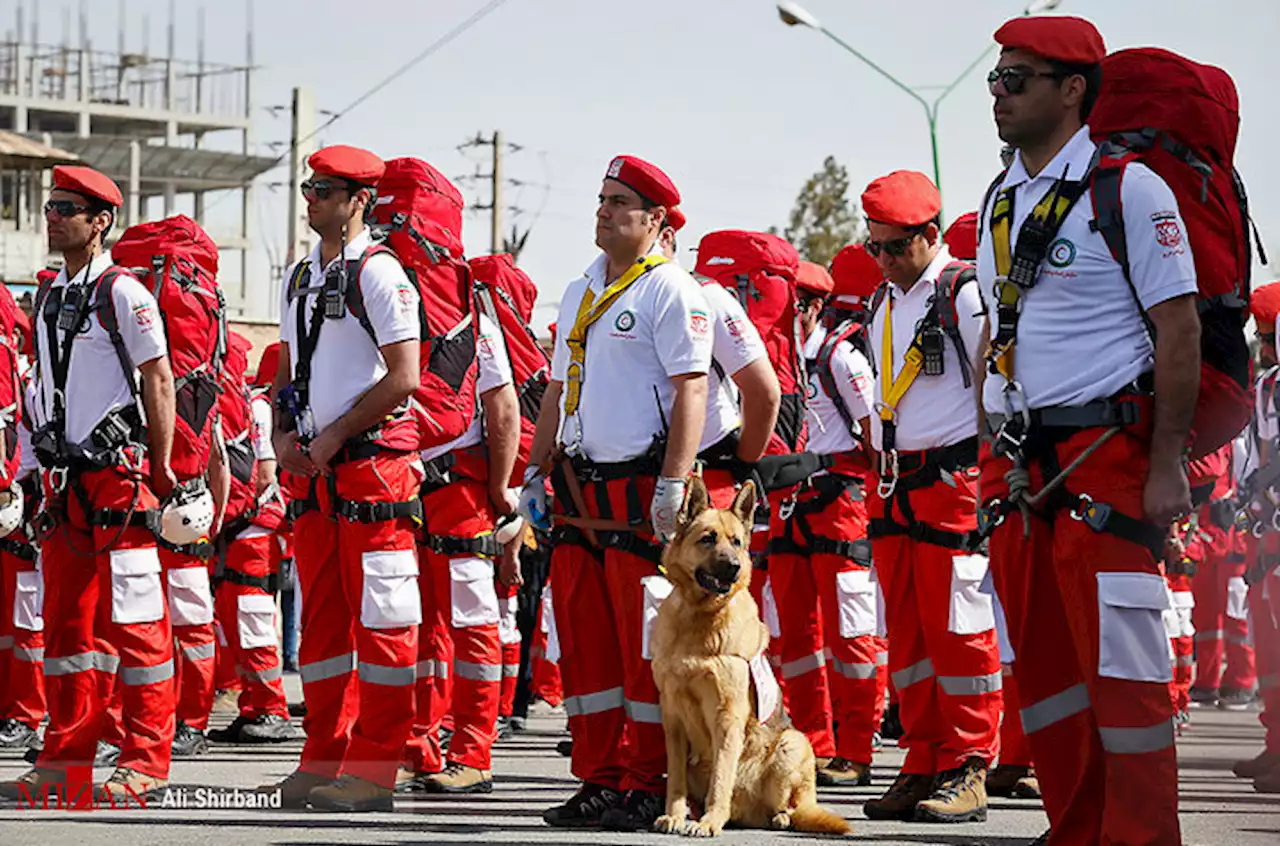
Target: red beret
x=676 y=219
x=348 y=163
x=267 y=366
x=645 y=179
x=1062 y=38
x=88 y=183
x=1264 y=303
x=855 y=273
x=904 y=198
x=814 y=278
x=962 y=237
x=551 y=330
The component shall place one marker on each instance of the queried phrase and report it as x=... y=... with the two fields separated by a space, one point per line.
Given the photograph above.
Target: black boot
x=188 y=742
x=584 y=809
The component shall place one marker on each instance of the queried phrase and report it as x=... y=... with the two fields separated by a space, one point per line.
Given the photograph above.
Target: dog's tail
x=814 y=819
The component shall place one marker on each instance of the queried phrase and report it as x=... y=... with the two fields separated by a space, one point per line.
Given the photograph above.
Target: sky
x=736 y=107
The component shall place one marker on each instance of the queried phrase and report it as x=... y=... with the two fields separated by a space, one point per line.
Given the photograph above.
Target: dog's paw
x=669 y=824
x=781 y=821
x=703 y=828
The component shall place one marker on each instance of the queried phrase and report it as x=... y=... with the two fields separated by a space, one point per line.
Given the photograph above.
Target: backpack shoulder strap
x=105 y=307
x=355 y=299
x=826 y=378
x=986 y=199
x=1108 y=208
x=945 y=290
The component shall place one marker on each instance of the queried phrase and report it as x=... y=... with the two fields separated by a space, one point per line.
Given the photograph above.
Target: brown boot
x=900 y=800
x=31 y=785
x=410 y=781
x=1255 y=767
x=1028 y=787
x=295 y=788
x=126 y=786
x=459 y=778
x=959 y=795
x=1013 y=782
x=841 y=772
x=352 y=794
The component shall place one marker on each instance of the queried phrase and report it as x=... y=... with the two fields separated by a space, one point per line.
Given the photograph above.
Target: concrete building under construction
x=176 y=134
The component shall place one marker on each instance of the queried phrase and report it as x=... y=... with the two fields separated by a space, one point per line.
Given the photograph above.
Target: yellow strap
x=589 y=311
x=894 y=388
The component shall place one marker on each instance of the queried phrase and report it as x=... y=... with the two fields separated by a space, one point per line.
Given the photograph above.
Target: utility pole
x=301 y=126
x=495 y=232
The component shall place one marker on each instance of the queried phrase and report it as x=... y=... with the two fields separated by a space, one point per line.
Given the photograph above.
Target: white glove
x=534 y=506
x=668 y=497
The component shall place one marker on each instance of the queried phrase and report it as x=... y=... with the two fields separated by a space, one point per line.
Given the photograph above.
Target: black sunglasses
x=322 y=188
x=1014 y=80
x=896 y=248
x=64 y=208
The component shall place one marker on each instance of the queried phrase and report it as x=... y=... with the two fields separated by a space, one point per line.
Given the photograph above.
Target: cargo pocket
x=508 y=631
x=770 y=610
x=1177 y=620
x=190 y=600
x=390 y=598
x=972 y=611
x=1132 y=644
x=1237 y=598
x=882 y=619
x=28 y=601
x=256 y=620
x=656 y=589
x=472 y=594
x=856 y=595
x=136 y=592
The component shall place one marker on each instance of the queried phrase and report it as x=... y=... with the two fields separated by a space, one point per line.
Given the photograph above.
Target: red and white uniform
x=1264 y=596
x=106 y=618
x=1095 y=701
x=360 y=601
x=544 y=654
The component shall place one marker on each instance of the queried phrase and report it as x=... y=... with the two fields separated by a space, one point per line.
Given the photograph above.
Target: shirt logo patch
x=1062 y=253
x=698 y=322
x=145 y=316
x=626 y=321
x=734 y=326
x=405 y=295
x=1168 y=232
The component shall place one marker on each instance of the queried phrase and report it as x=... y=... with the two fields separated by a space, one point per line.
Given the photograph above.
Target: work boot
x=269 y=728
x=17 y=735
x=229 y=733
x=841 y=772
x=891 y=724
x=459 y=778
x=294 y=788
x=1013 y=782
x=638 y=811
x=126 y=785
x=584 y=809
x=188 y=742
x=410 y=781
x=1204 y=697
x=353 y=795
x=503 y=729
x=30 y=785
x=1255 y=767
x=900 y=800
x=107 y=754
x=226 y=701
x=959 y=795
x=1236 y=700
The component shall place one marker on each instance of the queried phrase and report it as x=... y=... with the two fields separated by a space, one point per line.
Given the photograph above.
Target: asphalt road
x=1216 y=807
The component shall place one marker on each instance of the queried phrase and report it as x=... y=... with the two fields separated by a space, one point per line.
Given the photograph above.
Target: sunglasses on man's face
x=896 y=247
x=64 y=208
x=1014 y=80
x=322 y=188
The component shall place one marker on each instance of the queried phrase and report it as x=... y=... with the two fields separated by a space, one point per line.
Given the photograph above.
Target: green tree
x=823 y=219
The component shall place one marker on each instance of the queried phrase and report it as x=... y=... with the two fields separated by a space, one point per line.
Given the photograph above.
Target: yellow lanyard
x=893 y=389
x=589 y=311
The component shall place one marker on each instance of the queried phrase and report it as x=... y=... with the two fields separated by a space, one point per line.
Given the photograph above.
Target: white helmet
x=11 y=510
x=187 y=516
x=508 y=527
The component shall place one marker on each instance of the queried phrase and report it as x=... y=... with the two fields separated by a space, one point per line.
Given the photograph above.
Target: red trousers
x=459 y=652
x=604 y=603
x=21 y=638
x=509 y=635
x=826 y=604
x=545 y=653
x=1264 y=610
x=248 y=616
x=943 y=654
x=191 y=615
x=360 y=615
x=1084 y=608
x=1221 y=615
x=1181 y=632
x=1015 y=749
x=106 y=624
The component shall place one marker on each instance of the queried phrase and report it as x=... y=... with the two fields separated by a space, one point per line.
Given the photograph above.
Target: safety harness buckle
x=888 y=474
x=1093 y=514
x=990 y=516
x=58 y=479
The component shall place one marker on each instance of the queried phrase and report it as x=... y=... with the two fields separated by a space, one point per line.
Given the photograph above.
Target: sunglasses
x=64 y=208
x=896 y=247
x=1014 y=80
x=322 y=188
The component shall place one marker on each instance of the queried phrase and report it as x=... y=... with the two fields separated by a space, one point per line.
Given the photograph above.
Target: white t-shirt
x=735 y=343
x=27 y=462
x=494 y=371
x=260 y=434
x=855 y=383
x=1081 y=336
x=936 y=411
x=659 y=328
x=346 y=363
x=96 y=383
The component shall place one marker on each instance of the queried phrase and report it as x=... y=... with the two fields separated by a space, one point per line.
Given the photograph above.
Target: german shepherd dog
x=730 y=747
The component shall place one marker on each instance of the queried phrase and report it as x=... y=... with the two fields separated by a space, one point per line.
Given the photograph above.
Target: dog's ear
x=696 y=501
x=744 y=504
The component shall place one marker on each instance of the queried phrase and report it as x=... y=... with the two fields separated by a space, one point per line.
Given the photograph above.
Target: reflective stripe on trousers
x=593 y=703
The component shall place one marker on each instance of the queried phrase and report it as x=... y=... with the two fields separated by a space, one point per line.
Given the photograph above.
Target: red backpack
x=178 y=262
x=420 y=213
x=760 y=269
x=1181 y=119
x=235 y=410
x=507 y=295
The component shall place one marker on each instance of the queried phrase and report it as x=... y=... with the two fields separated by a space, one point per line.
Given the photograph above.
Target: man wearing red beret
x=107 y=624
x=961 y=237
x=1069 y=385
x=1263 y=553
x=628 y=397
x=925 y=336
x=347 y=439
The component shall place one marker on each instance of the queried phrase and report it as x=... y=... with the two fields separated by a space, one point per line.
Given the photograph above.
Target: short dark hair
x=96 y=207
x=1092 y=82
